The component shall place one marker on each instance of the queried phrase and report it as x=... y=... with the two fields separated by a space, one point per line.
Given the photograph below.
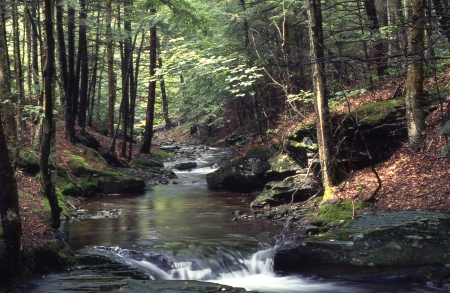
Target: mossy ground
x=339 y=213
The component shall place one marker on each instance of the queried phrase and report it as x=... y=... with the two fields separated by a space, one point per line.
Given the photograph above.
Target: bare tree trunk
x=414 y=81
x=165 y=103
x=111 y=76
x=323 y=123
x=71 y=99
x=84 y=69
x=62 y=55
x=150 y=113
x=9 y=199
x=374 y=29
x=48 y=150
x=18 y=72
x=6 y=107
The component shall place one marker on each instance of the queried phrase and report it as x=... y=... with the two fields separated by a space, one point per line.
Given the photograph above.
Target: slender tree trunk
x=323 y=123
x=84 y=69
x=126 y=72
x=414 y=81
x=18 y=72
x=62 y=55
x=150 y=113
x=165 y=103
x=442 y=10
x=134 y=96
x=71 y=99
x=9 y=199
x=48 y=150
x=374 y=29
x=111 y=76
x=93 y=82
x=6 y=107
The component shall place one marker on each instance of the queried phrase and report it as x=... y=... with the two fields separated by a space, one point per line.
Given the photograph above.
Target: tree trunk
x=133 y=93
x=48 y=150
x=150 y=113
x=414 y=80
x=62 y=55
x=18 y=72
x=71 y=99
x=443 y=17
x=6 y=107
x=374 y=28
x=9 y=199
x=323 y=123
x=84 y=69
x=165 y=103
x=111 y=77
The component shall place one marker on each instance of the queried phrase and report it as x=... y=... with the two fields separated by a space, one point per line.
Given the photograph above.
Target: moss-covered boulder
x=110 y=183
x=149 y=162
x=405 y=245
x=29 y=164
x=79 y=166
x=66 y=183
x=280 y=192
x=382 y=124
x=253 y=171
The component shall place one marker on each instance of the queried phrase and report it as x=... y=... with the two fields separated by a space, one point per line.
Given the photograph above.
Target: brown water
x=186 y=231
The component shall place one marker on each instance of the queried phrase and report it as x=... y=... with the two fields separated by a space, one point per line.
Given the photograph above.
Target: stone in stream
x=185 y=166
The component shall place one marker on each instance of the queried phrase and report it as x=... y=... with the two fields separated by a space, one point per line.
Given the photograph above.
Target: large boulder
x=253 y=171
x=300 y=186
x=148 y=162
x=406 y=245
x=112 y=183
x=382 y=124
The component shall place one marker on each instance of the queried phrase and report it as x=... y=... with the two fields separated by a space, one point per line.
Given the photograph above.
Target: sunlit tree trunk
x=48 y=148
x=323 y=123
x=18 y=72
x=414 y=81
x=62 y=55
x=150 y=113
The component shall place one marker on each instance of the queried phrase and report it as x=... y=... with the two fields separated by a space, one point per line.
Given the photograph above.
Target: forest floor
x=409 y=180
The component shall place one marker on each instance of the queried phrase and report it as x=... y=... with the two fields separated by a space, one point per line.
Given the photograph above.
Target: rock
x=311 y=230
x=253 y=171
x=280 y=192
x=185 y=166
x=29 y=164
x=112 y=183
x=88 y=140
x=404 y=245
x=148 y=162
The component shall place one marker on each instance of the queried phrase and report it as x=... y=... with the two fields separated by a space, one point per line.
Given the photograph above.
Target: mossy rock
x=89 y=185
x=29 y=164
x=149 y=162
x=80 y=166
x=66 y=183
x=337 y=212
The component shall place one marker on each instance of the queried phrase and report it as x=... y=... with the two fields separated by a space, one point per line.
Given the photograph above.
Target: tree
x=8 y=119
x=414 y=81
x=111 y=75
x=150 y=113
x=48 y=148
x=71 y=98
x=9 y=198
x=84 y=69
x=323 y=123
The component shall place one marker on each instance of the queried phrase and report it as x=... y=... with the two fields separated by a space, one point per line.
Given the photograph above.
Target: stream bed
x=179 y=234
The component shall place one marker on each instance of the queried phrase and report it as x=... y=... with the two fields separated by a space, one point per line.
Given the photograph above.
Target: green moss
x=89 y=185
x=80 y=166
x=328 y=194
x=67 y=183
x=338 y=214
x=163 y=155
x=375 y=111
x=62 y=200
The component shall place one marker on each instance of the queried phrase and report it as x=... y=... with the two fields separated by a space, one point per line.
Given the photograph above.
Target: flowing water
x=186 y=231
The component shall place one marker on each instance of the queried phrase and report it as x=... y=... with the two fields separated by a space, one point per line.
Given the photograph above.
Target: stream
x=185 y=231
